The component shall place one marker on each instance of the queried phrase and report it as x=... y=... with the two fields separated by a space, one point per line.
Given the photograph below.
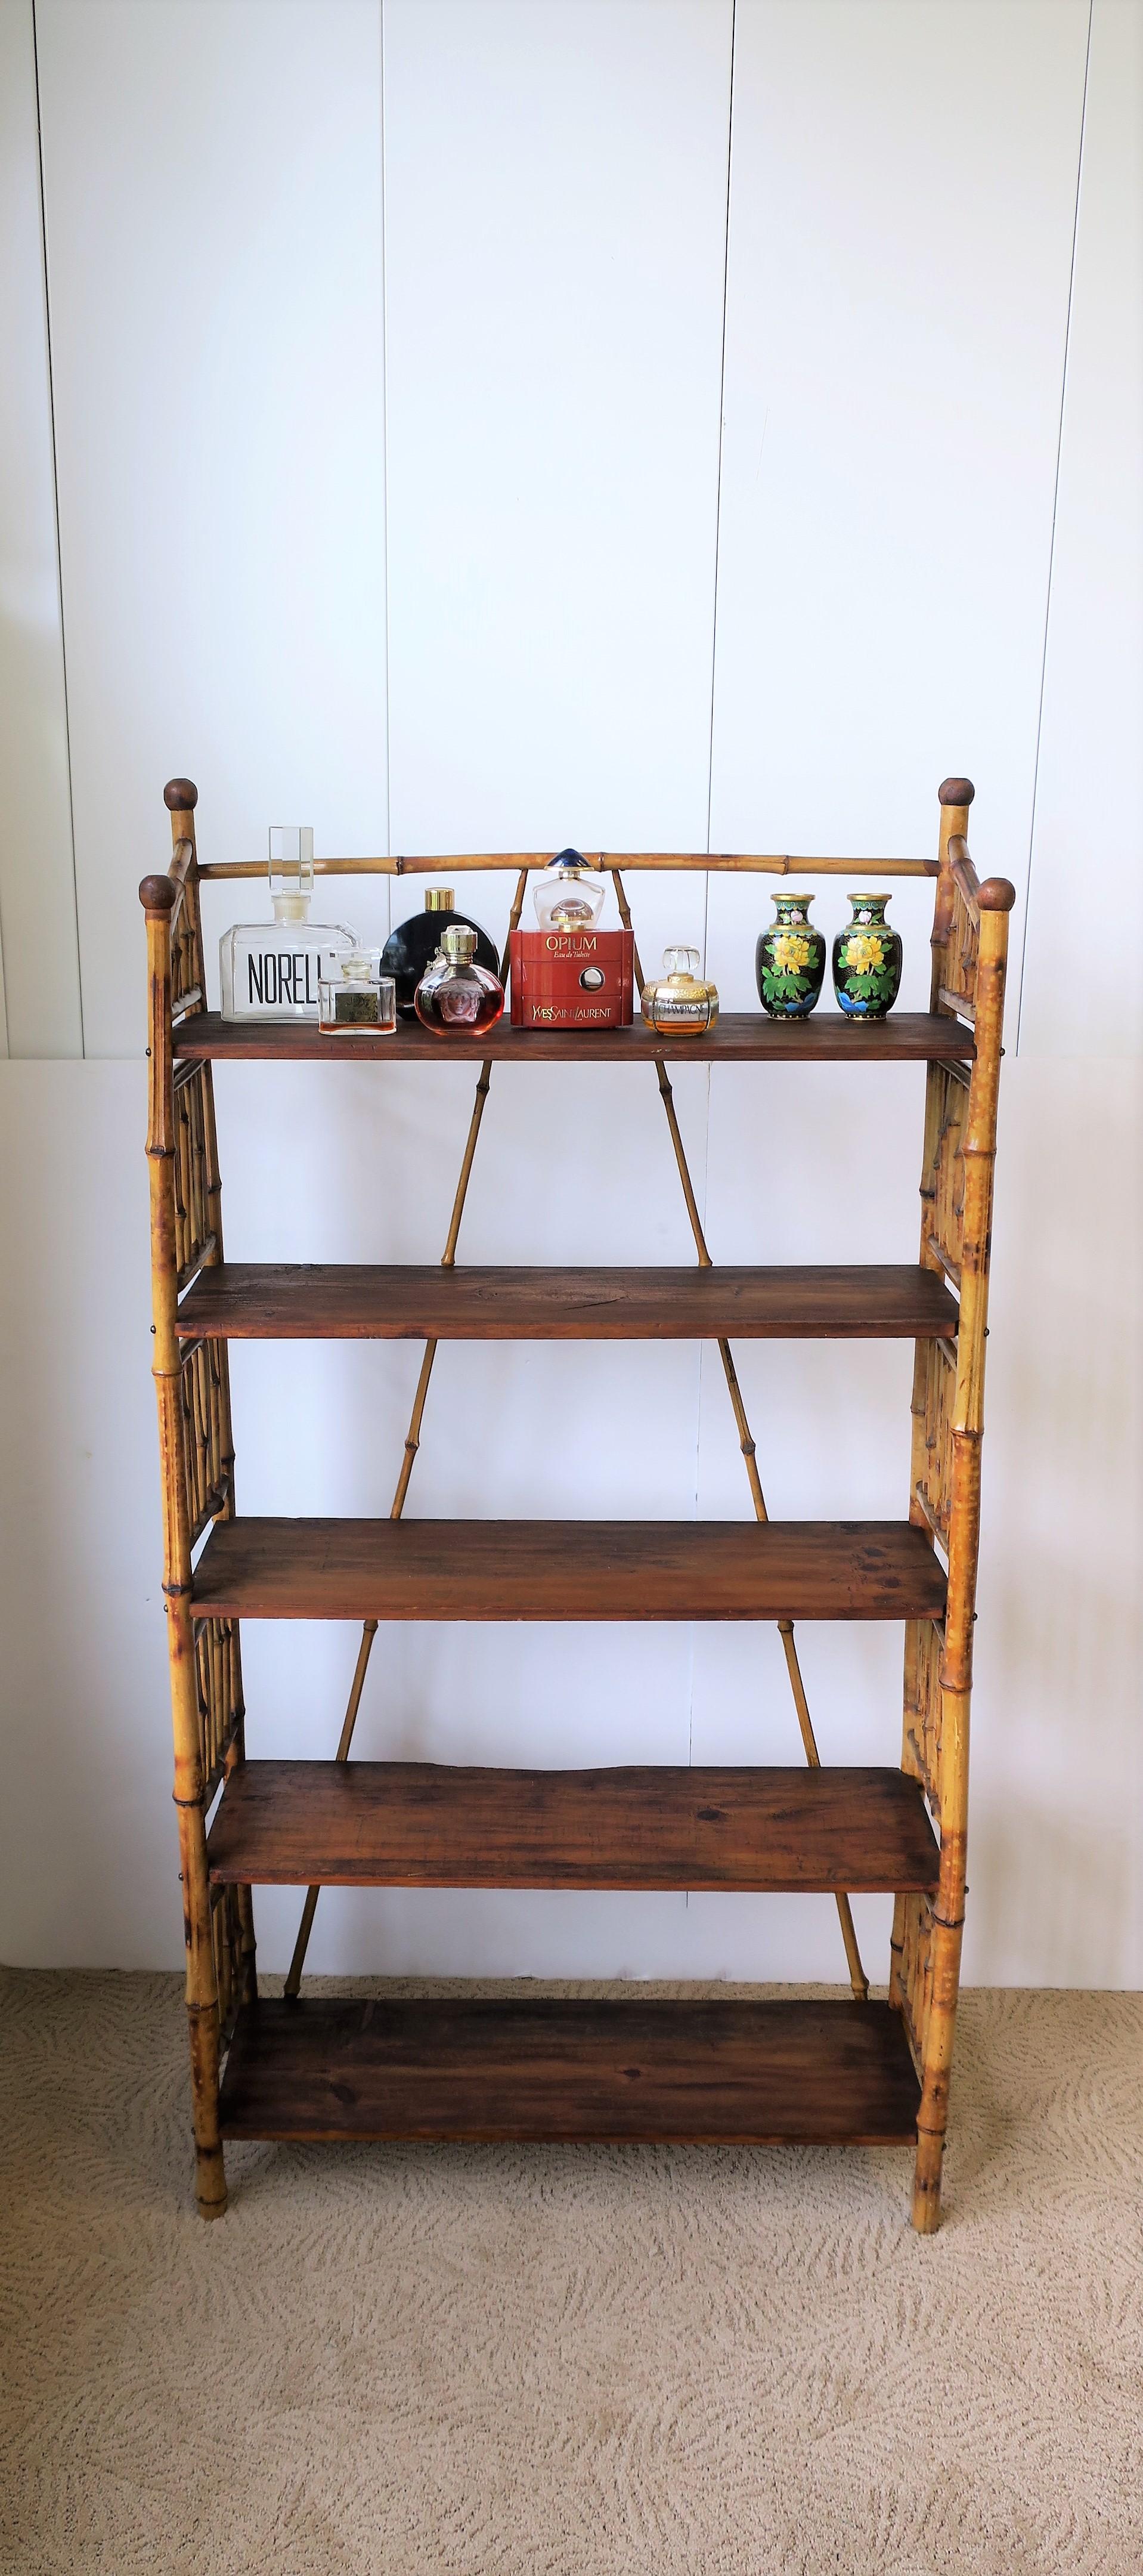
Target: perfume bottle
x=456 y=997
x=358 y=997
x=414 y=944
x=271 y=970
x=569 y=895
x=679 y=1003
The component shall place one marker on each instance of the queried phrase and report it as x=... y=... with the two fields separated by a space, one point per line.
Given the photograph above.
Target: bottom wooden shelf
x=504 y=2068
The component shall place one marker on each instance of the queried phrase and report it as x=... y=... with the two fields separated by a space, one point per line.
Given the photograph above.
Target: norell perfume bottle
x=271 y=970
x=569 y=895
x=414 y=943
x=456 y=997
x=358 y=997
x=679 y=1002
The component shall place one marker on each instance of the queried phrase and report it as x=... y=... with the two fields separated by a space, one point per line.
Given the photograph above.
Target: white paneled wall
x=212 y=203
x=445 y=453
x=37 y=887
x=1089 y=789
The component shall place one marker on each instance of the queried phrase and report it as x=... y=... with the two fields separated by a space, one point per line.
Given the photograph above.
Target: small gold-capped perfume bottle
x=679 y=1002
x=357 y=997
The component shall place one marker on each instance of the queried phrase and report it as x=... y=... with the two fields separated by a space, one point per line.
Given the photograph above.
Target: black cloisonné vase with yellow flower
x=867 y=960
x=789 y=961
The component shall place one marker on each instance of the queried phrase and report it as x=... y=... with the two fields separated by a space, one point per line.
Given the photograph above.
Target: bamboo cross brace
x=412 y=1443
x=857 y=1977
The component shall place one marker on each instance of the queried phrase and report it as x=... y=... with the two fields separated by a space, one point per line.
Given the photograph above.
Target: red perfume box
x=572 y=979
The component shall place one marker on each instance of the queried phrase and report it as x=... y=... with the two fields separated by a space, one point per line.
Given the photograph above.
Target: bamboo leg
x=158 y=894
x=412 y=1442
x=857 y=1977
x=993 y=902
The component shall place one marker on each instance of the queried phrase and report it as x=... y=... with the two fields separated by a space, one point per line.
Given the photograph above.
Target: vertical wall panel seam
x=56 y=514
x=710 y=772
x=1052 y=538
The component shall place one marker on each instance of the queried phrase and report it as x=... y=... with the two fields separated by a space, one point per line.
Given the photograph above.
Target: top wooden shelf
x=740 y=1037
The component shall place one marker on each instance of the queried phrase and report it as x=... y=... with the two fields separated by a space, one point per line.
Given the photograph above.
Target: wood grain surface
x=293 y=1301
x=496 y=2068
x=740 y=1037
x=429 y=1824
x=437 y=1569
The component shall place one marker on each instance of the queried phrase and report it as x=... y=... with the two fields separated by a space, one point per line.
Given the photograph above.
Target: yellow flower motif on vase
x=791 y=953
x=864 y=955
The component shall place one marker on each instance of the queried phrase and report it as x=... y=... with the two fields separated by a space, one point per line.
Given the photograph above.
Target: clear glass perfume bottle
x=569 y=895
x=679 y=1002
x=357 y=997
x=271 y=970
x=455 y=996
x=415 y=942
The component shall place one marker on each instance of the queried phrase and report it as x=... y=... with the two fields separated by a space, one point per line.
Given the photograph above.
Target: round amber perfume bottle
x=456 y=998
x=680 y=1003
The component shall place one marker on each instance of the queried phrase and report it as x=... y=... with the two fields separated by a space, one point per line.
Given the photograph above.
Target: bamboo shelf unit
x=860 y=2071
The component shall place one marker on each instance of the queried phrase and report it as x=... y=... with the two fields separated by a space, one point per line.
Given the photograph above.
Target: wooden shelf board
x=292 y=1301
x=490 y=1569
x=428 y=1824
x=740 y=1037
x=493 y=2068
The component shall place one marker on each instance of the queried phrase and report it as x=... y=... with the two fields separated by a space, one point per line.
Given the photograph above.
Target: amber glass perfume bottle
x=679 y=1002
x=414 y=944
x=569 y=895
x=271 y=970
x=456 y=997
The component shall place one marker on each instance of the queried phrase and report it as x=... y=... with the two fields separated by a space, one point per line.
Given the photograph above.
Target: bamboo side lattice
x=970 y=944
x=197 y=1460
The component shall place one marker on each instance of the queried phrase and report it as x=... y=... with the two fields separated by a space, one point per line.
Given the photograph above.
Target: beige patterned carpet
x=574 y=2361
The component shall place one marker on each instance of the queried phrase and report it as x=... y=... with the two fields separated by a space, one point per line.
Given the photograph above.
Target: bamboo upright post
x=976 y=916
x=159 y=895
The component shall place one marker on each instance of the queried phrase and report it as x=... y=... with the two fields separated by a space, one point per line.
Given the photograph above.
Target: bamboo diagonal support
x=857 y=1977
x=412 y=1441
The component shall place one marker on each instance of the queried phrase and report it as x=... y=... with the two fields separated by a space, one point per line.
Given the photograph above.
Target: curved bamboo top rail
x=163 y=893
x=711 y=862
x=997 y=894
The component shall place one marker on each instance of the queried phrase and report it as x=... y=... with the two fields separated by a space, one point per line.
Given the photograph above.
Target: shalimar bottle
x=679 y=1003
x=358 y=998
x=414 y=944
x=456 y=997
x=569 y=895
x=271 y=970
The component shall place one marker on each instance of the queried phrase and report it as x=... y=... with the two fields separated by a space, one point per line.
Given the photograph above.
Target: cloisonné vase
x=789 y=961
x=867 y=960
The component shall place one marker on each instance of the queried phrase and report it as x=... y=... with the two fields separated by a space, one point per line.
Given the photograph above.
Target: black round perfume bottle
x=414 y=943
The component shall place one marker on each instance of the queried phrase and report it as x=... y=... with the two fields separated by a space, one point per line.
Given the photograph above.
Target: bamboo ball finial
x=180 y=795
x=956 y=791
x=157 y=894
x=997 y=894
